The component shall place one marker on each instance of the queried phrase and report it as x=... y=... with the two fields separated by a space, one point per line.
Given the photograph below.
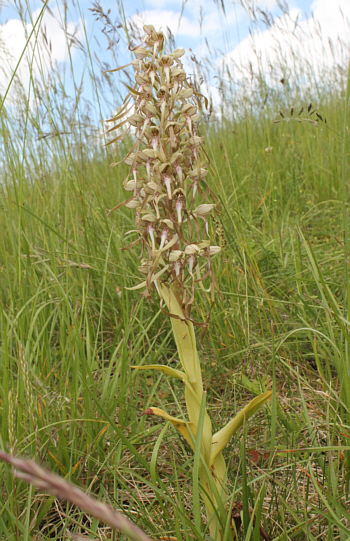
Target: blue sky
x=223 y=32
x=226 y=35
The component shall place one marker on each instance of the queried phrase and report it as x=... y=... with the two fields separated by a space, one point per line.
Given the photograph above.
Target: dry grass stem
x=53 y=484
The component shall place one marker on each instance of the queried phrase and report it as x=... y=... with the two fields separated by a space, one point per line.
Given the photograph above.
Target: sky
x=201 y=24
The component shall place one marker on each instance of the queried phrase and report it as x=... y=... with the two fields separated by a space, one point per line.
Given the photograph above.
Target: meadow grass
x=71 y=400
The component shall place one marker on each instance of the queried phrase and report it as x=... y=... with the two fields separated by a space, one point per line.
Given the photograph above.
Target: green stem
x=210 y=477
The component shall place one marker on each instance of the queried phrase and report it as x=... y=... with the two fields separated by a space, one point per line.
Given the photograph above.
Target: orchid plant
x=175 y=225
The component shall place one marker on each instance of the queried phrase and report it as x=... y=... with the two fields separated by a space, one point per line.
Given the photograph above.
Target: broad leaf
x=221 y=438
x=179 y=424
x=165 y=370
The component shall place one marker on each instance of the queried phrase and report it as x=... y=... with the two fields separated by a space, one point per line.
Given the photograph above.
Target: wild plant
x=175 y=227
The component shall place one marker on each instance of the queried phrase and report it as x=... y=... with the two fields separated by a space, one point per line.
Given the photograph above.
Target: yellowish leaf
x=221 y=438
x=167 y=370
x=182 y=426
x=185 y=340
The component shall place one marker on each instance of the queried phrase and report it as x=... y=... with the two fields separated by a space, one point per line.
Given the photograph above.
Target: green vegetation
x=70 y=399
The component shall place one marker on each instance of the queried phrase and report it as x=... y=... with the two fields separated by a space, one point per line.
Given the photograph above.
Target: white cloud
x=161 y=18
x=213 y=24
x=300 y=46
x=161 y=4
x=12 y=38
x=255 y=5
x=51 y=46
x=329 y=14
x=267 y=4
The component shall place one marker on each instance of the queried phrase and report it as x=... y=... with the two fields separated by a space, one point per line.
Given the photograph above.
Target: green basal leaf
x=164 y=370
x=221 y=438
x=182 y=426
x=192 y=403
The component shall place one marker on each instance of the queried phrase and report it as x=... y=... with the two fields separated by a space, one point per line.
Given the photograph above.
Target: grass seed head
x=12 y=407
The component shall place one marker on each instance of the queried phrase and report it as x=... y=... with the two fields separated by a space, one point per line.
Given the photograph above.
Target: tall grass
x=71 y=400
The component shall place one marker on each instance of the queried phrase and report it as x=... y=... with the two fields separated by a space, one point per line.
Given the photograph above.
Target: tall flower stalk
x=175 y=227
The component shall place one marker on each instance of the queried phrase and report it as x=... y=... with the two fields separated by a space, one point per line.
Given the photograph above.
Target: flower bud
x=192 y=249
x=185 y=93
x=136 y=120
x=145 y=266
x=178 y=74
x=152 y=187
x=203 y=210
x=213 y=250
x=149 y=29
x=141 y=52
x=165 y=169
x=151 y=109
x=177 y=157
x=133 y=204
x=149 y=218
x=141 y=79
x=136 y=64
x=172 y=125
x=162 y=92
x=148 y=153
x=194 y=173
x=195 y=141
x=131 y=185
x=175 y=255
x=189 y=109
x=204 y=244
x=129 y=160
x=166 y=60
x=168 y=223
x=177 y=53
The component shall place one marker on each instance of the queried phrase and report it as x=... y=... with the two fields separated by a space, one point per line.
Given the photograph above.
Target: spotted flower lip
x=172 y=201
x=179 y=207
